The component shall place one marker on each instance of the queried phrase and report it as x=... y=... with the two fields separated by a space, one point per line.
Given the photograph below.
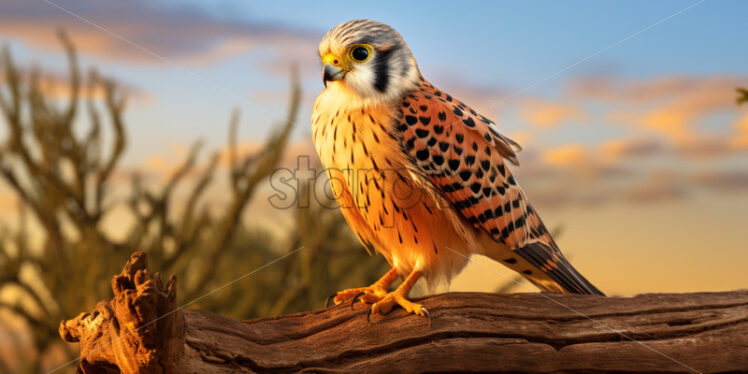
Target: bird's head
x=369 y=59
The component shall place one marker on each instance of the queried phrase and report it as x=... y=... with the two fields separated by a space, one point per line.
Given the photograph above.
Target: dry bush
x=63 y=178
x=742 y=95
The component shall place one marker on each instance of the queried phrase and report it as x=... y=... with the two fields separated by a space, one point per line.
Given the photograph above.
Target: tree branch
x=530 y=333
x=742 y=95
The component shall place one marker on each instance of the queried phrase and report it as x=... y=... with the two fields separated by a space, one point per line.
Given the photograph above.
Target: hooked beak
x=331 y=73
x=332 y=69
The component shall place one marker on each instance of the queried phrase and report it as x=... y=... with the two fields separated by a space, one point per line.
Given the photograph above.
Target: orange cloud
x=732 y=180
x=575 y=161
x=221 y=50
x=182 y=33
x=566 y=155
x=617 y=149
x=740 y=139
x=654 y=192
x=522 y=137
x=545 y=113
x=159 y=164
x=705 y=147
x=674 y=119
x=649 y=90
x=670 y=106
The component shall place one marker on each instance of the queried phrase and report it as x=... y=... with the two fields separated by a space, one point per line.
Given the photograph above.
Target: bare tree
x=742 y=95
x=62 y=177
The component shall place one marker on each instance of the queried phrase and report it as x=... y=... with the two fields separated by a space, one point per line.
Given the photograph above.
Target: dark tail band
x=558 y=268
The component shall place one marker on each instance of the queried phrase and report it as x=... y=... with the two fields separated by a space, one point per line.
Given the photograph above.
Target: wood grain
x=531 y=333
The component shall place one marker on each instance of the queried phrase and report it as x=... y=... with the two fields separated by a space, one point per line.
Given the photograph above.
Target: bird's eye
x=360 y=53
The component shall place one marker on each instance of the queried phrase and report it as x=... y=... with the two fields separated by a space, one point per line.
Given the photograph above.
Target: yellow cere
x=331 y=59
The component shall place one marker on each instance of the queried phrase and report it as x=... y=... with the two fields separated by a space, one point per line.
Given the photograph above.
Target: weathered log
x=142 y=330
x=139 y=330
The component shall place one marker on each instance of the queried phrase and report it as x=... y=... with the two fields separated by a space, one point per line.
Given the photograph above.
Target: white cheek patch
x=362 y=79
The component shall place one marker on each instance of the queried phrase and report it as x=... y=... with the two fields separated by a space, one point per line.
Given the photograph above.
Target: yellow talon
x=385 y=305
x=382 y=302
x=399 y=297
x=369 y=295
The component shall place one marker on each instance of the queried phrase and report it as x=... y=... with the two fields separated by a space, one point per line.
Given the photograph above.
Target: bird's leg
x=400 y=297
x=370 y=294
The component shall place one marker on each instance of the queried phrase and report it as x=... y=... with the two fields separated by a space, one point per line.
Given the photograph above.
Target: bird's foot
x=396 y=297
x=369 y=295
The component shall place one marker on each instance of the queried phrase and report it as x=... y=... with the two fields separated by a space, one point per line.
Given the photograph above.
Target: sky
x=633 y=143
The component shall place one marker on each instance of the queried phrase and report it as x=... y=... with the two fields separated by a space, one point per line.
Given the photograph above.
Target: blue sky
x=499 y=46
x=527 y=40
x=645 y=127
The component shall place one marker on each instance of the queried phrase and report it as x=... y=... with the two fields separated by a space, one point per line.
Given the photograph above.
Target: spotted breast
x=392 y=208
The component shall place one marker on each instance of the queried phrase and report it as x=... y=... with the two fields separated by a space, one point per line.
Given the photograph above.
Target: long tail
x=551 y=262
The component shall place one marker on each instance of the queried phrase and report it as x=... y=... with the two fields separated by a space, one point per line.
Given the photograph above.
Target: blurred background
x=155 y=126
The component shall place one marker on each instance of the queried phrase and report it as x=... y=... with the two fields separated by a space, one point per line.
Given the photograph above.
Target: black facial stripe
x=382 y=69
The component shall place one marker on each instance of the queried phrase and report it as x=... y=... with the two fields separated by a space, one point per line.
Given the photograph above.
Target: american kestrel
x=420 y=176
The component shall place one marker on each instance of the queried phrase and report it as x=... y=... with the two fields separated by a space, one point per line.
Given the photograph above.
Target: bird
x=421 y=177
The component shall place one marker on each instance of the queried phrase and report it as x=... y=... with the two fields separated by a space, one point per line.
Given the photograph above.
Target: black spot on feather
x=423 y=154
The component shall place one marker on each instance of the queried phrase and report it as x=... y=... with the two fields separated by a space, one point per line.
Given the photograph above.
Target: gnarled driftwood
x=142 y=330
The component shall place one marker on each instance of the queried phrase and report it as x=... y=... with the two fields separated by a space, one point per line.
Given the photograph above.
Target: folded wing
x=460 y=152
